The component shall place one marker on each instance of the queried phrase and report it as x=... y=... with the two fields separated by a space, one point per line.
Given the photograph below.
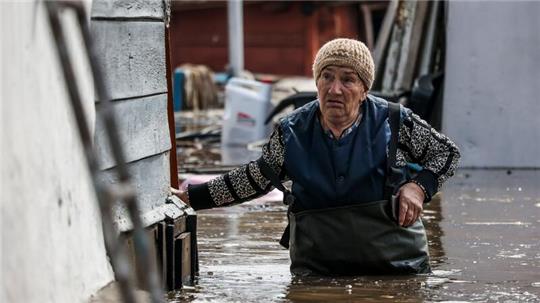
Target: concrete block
x=148 y=9
x=151 y=178
x=132 y=57
x=143 y=128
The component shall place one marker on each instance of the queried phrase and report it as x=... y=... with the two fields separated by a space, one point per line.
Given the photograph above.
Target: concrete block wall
x=131 y=40
x=491 y=104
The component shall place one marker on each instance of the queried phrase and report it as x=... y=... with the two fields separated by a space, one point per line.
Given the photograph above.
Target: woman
x=346 y=166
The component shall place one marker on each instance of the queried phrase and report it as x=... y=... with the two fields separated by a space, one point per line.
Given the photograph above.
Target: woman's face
x=340 y=93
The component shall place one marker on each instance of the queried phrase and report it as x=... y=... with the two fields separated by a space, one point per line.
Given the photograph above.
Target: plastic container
x=247 y=103
x=178 y=89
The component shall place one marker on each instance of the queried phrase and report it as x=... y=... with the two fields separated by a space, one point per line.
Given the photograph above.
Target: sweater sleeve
x=437 y=154
x=243 y=183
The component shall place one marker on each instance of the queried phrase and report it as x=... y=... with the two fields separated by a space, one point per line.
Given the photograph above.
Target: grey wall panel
x=133 y=57
x=143 y=127
x=128 y=9
x=151 y=177
x=491 y=106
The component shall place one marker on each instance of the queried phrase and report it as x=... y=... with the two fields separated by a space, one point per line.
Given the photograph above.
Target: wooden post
x=170 y=112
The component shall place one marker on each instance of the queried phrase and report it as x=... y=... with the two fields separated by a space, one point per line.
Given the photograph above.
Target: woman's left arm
x=436 y=153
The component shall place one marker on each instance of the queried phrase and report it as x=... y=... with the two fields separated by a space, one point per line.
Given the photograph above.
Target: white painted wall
x=492 y=89
x=52 y=243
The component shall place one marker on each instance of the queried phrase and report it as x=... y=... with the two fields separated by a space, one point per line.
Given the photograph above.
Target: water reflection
x=432 y=216
x=478 y=250
x=365 y=289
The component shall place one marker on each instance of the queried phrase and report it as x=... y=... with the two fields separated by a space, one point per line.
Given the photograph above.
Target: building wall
x=131 y=40
x=52 y=242
x=279 y=37
x=491 y=106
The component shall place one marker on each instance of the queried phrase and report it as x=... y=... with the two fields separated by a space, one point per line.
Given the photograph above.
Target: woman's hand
x=411 y=200
x=180 y=194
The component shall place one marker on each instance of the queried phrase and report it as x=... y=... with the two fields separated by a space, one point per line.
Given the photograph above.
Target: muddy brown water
x=484 y=240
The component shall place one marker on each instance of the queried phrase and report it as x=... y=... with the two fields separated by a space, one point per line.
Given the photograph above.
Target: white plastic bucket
x=247 y=104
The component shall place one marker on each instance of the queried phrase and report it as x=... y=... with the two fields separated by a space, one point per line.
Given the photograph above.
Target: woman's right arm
x=241 y=184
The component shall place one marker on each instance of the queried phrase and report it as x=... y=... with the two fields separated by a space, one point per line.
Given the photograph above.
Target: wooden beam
x=173 y=162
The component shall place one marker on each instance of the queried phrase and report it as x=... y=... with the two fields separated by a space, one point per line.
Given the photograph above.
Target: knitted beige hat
x=346 y=52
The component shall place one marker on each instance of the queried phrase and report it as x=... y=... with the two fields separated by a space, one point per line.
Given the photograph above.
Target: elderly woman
x=356 y=203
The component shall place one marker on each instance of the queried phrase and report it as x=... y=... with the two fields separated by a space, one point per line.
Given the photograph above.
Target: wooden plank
x=401 y=60
x=429 y=39
x=368 y=24
x=170 y=112
x=412 y=38
x=179 y=226
x=191 y=226
x=133 y=57
x=143 y=128
x=392 y=60
x=384 y=34
x=147 y=9
x=182 y=264
x=151 y=179
x=161 y=249
x=132 y=254
x=169 y=251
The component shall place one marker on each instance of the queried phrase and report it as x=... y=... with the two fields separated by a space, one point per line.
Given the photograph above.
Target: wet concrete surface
x=484 y=239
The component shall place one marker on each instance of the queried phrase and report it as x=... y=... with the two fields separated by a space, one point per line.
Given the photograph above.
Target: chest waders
x=357 y=239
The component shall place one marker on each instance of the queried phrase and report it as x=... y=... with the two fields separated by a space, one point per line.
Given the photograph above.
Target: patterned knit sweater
x=418 y=143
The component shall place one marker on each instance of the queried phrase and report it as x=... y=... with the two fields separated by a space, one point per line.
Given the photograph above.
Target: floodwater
x=484 y=240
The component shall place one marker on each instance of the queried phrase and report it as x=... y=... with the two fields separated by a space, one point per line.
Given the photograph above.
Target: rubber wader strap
x=269 y=173
x=288 y=198
x=394 y=119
